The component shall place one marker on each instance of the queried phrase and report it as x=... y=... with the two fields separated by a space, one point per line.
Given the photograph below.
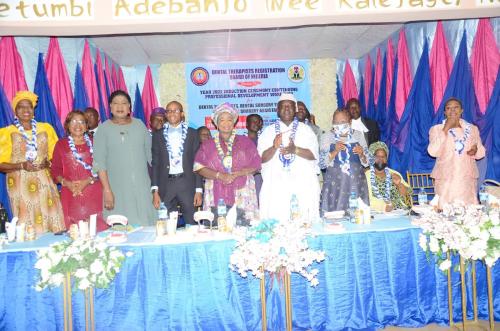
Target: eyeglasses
x=74 y=122
x=173 y=111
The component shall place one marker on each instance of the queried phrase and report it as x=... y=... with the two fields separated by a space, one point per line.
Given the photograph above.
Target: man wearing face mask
x=387 y=189
x=343 y=153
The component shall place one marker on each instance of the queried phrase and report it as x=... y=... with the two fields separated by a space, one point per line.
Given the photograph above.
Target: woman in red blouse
x=81 y=193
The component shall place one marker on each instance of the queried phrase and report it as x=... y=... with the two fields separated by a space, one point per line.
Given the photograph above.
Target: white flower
x=314 y=282
x=96 y=267
x=490 y=261
x=495 y=232
x=81 y=273
x=422 y=241
x=43 y=263
x=84 y=284
x=445 y=265
x=434 y=244
x=57 y=279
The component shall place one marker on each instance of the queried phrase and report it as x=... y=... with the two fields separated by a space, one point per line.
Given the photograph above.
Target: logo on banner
x=199 y=76
x=296 y=73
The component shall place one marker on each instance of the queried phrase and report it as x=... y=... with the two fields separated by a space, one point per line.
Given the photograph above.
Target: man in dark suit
x=173 y=151
x=364 y=124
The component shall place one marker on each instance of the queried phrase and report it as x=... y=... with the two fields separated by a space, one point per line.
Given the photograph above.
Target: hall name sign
x=36 y=10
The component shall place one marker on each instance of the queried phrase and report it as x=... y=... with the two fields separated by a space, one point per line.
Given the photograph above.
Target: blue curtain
x=413 y=132
x=103 y=114
x=138 y=107
x=340 y=98
x=80 y=99
x=6 y=119
x=46 y=110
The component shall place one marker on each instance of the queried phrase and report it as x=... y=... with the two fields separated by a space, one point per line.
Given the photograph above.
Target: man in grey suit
x=173 y=150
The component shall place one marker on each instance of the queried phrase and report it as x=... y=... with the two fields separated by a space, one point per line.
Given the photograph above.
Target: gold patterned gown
x=33 y=196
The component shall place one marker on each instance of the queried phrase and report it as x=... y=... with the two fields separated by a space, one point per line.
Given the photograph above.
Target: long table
x=374 y=276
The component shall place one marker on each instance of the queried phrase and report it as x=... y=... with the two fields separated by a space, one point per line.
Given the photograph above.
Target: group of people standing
x=121 y=167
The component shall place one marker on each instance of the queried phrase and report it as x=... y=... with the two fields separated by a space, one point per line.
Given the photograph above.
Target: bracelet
x=296 y=150
x=217 y=175
x=22 y=166
x=62 y=182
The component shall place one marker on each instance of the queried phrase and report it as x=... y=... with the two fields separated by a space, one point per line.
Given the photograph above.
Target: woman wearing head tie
x=228 y=163
x=25 y=150
x=387 y=189
x=343 y=155
x=456 y=145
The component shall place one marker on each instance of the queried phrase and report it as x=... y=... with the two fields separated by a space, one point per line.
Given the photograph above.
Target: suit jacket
x=373 y=134
x=160 y=162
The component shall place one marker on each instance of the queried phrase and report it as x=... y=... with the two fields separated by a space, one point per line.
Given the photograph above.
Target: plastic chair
x=419 y=181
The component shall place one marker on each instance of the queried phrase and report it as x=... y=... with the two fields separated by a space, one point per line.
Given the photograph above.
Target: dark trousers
x=180 y=193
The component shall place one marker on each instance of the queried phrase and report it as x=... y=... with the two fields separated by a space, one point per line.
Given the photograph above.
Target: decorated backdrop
x=404 y=82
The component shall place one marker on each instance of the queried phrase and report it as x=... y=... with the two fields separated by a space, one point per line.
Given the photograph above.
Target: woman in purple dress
x=228 y=163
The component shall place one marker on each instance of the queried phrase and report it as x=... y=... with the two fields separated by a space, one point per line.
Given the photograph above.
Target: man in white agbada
x=289 y=151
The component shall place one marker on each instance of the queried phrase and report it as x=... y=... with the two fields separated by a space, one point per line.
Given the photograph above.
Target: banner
x=107 y=17
x=251 y=87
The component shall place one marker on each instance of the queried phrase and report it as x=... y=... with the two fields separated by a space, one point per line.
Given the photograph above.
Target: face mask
x=380 y=165
x=342 y=129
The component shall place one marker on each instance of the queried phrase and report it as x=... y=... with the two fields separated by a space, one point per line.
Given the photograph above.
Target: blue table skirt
x=369 y=280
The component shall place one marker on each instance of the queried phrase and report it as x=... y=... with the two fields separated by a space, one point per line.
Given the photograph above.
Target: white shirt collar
x=358 y=125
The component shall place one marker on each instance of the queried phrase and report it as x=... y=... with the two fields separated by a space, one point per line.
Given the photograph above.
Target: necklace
x=78 y=157
x=460 y=143
x=175 y=158
x=345 y=164
x=388 y=182
x=227 y=158
x=286 y=159
x=31 y=147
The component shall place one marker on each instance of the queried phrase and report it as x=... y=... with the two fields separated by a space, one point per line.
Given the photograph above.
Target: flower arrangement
x=91 y=263
x=467 y=230
x=275 y=247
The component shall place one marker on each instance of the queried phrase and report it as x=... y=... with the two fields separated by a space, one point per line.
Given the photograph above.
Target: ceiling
x=330 y=41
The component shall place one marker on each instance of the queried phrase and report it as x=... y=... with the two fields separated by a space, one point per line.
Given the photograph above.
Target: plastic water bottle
x=162 y=220
x=483 y=195
x=422 y=197
x=353 y=205
x=221 y=215
x=294 y=207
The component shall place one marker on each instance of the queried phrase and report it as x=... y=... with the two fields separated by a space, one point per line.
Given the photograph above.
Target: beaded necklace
x=78 y=157
x=226 y=158
x=175 y=157
x=345 y=164
x=388 y=182
x=460 y=143
x=286 y=159
x=31 y=147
